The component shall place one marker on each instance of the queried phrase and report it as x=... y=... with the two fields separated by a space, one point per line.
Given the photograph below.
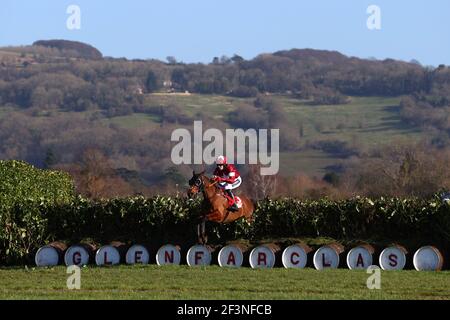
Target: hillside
x=62 y=105
x=83 y=49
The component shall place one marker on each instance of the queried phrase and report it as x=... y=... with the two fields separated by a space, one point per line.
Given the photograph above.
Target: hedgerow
x=48 y=210
x=25 y=195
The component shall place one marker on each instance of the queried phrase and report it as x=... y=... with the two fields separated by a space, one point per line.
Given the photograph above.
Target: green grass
x=182 y=282
x=366 y=122
x=214 y=106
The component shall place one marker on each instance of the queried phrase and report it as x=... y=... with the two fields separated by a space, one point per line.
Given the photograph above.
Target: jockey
x=228 y=178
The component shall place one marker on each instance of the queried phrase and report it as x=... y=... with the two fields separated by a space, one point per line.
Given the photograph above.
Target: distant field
x=365 y=123
x=182 y=282
x=214 y=106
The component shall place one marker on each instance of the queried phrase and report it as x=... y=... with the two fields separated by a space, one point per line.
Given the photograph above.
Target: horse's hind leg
x=204 y=236
x=199 y=233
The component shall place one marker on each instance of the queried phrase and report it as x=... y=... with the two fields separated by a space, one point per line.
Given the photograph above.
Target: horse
x=215 y=204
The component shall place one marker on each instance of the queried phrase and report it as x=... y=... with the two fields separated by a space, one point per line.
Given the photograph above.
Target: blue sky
x=198 y=30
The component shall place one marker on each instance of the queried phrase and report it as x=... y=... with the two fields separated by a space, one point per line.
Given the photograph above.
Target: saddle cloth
x=238 y=201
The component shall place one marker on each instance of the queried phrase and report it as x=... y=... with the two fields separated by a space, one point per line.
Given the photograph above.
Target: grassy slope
x=182 y=282
x=365 y=123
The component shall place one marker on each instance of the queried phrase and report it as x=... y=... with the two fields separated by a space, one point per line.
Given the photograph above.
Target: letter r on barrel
x=198 y=256
x=262 y=259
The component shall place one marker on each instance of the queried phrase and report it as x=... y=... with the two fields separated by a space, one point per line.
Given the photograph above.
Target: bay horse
x=215 y=204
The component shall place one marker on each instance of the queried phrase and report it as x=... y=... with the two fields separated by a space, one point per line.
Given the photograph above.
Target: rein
x=212 y=184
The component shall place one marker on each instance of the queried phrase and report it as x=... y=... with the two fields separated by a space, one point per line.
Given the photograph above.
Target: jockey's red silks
x=229 y=173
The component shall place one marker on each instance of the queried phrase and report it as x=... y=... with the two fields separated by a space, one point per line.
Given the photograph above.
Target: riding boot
x=234 y=206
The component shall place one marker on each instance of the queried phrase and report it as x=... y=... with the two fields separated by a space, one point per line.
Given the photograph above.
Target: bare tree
x=260 y=186
x=418 y=170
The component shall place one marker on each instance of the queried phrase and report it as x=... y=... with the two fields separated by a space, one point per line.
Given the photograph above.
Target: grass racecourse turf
x=213 y=282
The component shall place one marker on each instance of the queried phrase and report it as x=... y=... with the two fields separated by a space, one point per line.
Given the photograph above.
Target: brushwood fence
x=30 y=223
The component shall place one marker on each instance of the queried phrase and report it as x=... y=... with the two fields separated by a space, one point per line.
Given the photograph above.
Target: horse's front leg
x=201 y=231
x=215 y=216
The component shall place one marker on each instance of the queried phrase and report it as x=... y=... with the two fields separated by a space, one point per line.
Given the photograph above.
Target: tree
x=332 y=178
x=152 y=82
x=173 y=174
x=237 y=59
x=171 y=60
x=179 y=78
x=259 y=186
x=95 y=170
x=50 y=159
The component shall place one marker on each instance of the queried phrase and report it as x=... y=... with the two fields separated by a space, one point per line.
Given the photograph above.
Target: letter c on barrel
x=294 y=256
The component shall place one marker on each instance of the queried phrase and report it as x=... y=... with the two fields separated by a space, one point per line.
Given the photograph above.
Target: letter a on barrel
x=230 y=256
x=359 y=258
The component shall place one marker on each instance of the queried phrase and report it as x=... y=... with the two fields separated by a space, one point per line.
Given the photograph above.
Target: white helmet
x=221 y=160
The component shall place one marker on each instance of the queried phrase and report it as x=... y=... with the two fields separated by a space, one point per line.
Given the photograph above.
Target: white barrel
x=326 y=257
x=295 y=256
x=262 y=257
x=47 y=256
x=359 y=258
x=137 y=254
x=168 y=255
x=393 y=258
x=428 y=258
x=230 y=256
x=76 y=255
x=107 y=255
x=198 y=255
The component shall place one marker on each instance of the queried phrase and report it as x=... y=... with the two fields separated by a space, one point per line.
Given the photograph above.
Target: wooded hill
x=63 y=104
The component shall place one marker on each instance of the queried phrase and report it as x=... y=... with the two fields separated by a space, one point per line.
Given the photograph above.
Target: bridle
x=198 y=186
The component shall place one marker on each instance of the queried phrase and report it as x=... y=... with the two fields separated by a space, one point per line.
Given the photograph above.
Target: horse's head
x=196 y=184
